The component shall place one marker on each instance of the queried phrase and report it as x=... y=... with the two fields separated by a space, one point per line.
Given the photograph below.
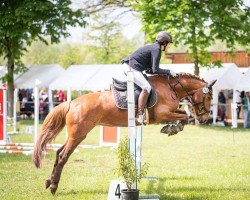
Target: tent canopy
x=87 y=77
x=39 y=75
x=226 y=76
x=187 y=68
x=244 y=82
x=99 y=77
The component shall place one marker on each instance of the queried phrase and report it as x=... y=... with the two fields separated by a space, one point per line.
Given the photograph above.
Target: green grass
x=198 y=163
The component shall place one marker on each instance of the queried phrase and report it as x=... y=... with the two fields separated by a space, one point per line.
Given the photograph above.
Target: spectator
x=20 y=97
x=222 y=106
x=22 y=104
x=246 y=109
x=43 y=94
x=60 y=97
x=238 y=101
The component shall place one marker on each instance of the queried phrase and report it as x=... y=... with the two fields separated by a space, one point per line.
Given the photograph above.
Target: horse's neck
x=187 y=85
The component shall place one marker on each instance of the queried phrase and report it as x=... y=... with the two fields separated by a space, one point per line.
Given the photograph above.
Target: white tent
x=102 y=79
x=99 y=77
x=244 y=82
x=186 y=67
x=39 y=75
x=87 y=77
x=226 y=77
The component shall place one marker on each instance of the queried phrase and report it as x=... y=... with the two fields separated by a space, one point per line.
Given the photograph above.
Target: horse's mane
x=192 y=76
x=183 y=74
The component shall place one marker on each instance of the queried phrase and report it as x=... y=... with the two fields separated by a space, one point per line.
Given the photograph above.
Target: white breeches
x=139 y=79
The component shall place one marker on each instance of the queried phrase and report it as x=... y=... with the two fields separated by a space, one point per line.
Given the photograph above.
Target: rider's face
x=165 y=46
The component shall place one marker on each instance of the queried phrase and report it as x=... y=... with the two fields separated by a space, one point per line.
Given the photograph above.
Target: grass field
x=198 y=163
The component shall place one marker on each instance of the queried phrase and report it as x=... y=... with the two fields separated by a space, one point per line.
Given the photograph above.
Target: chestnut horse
x=98 y=108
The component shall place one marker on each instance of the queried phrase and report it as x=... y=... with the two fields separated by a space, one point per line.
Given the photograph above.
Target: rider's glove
x=149 y=71
x=172 y=73
x=165 y=71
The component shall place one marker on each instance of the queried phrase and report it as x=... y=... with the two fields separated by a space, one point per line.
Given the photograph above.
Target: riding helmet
x=164 y=36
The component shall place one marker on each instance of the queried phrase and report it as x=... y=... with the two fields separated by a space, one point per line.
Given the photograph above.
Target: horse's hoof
x=173 y=131
x=53 y=189
x=180 y=126
x=166 y=129
x=47 y=183
x=163 y=129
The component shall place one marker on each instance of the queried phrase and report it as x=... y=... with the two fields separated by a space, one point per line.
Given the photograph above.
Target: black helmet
x=164 y=36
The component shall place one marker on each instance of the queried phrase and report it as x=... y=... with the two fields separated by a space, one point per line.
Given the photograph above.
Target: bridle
x=202 y=109
x=206 y=90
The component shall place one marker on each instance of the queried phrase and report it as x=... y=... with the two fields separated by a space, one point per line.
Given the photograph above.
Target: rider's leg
x=142 y=101
x=141 y=81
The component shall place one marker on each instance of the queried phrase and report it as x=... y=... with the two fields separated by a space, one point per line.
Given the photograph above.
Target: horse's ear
x=211 y=84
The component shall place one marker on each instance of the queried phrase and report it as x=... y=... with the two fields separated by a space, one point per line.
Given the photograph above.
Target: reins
x=173 y=87
x=201 y=110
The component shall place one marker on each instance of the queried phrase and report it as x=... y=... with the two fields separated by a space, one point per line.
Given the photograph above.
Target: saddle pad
x=121 y=98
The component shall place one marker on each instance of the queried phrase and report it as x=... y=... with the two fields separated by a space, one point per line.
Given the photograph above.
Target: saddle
x=119 y=90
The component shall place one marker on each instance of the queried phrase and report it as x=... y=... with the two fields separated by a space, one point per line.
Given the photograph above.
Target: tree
x=23 y=21
x=197 y=23
x=2 y=61
x=40 y=53
x=101 y=5
x=67 y=54
x=103 y=30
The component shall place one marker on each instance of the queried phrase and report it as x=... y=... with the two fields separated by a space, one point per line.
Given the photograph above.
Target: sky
x=131 y=26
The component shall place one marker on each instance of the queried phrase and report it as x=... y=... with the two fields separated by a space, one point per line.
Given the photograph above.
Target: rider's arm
x=155 y=60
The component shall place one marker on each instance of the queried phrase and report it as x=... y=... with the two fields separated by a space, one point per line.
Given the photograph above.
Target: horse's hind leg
x=62 y=159
x=75 y=137
x=48 y=181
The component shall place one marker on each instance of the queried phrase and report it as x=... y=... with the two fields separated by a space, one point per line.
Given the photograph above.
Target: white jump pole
x=5 y=104
x=69 y=94
x=215 y=105
x=135 y=132
x=134 y=145
x=138 y=148
x=234 y=111
x=36 y=110
x=14 y=111
x=51 y=102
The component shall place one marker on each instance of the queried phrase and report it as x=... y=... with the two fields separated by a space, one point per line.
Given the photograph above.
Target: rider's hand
x=149 y=71
x=172 y=73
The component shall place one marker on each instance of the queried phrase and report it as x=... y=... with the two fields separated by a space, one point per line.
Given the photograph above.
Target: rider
x=147 y=59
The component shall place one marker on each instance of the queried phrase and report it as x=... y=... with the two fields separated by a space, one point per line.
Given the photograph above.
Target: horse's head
x=201 y=101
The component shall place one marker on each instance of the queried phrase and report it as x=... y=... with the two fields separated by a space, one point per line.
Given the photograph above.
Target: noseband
x=202 y=109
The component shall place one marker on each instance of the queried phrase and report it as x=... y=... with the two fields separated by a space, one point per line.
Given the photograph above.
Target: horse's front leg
x=183 y=112
x=178 y=115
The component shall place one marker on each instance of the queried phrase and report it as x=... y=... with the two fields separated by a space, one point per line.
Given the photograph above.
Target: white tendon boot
x=140 y=119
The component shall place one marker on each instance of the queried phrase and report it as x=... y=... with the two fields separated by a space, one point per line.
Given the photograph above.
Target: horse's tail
x=52 y=125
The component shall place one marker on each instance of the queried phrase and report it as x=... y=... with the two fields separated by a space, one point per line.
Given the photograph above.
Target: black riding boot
x=142 y=101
